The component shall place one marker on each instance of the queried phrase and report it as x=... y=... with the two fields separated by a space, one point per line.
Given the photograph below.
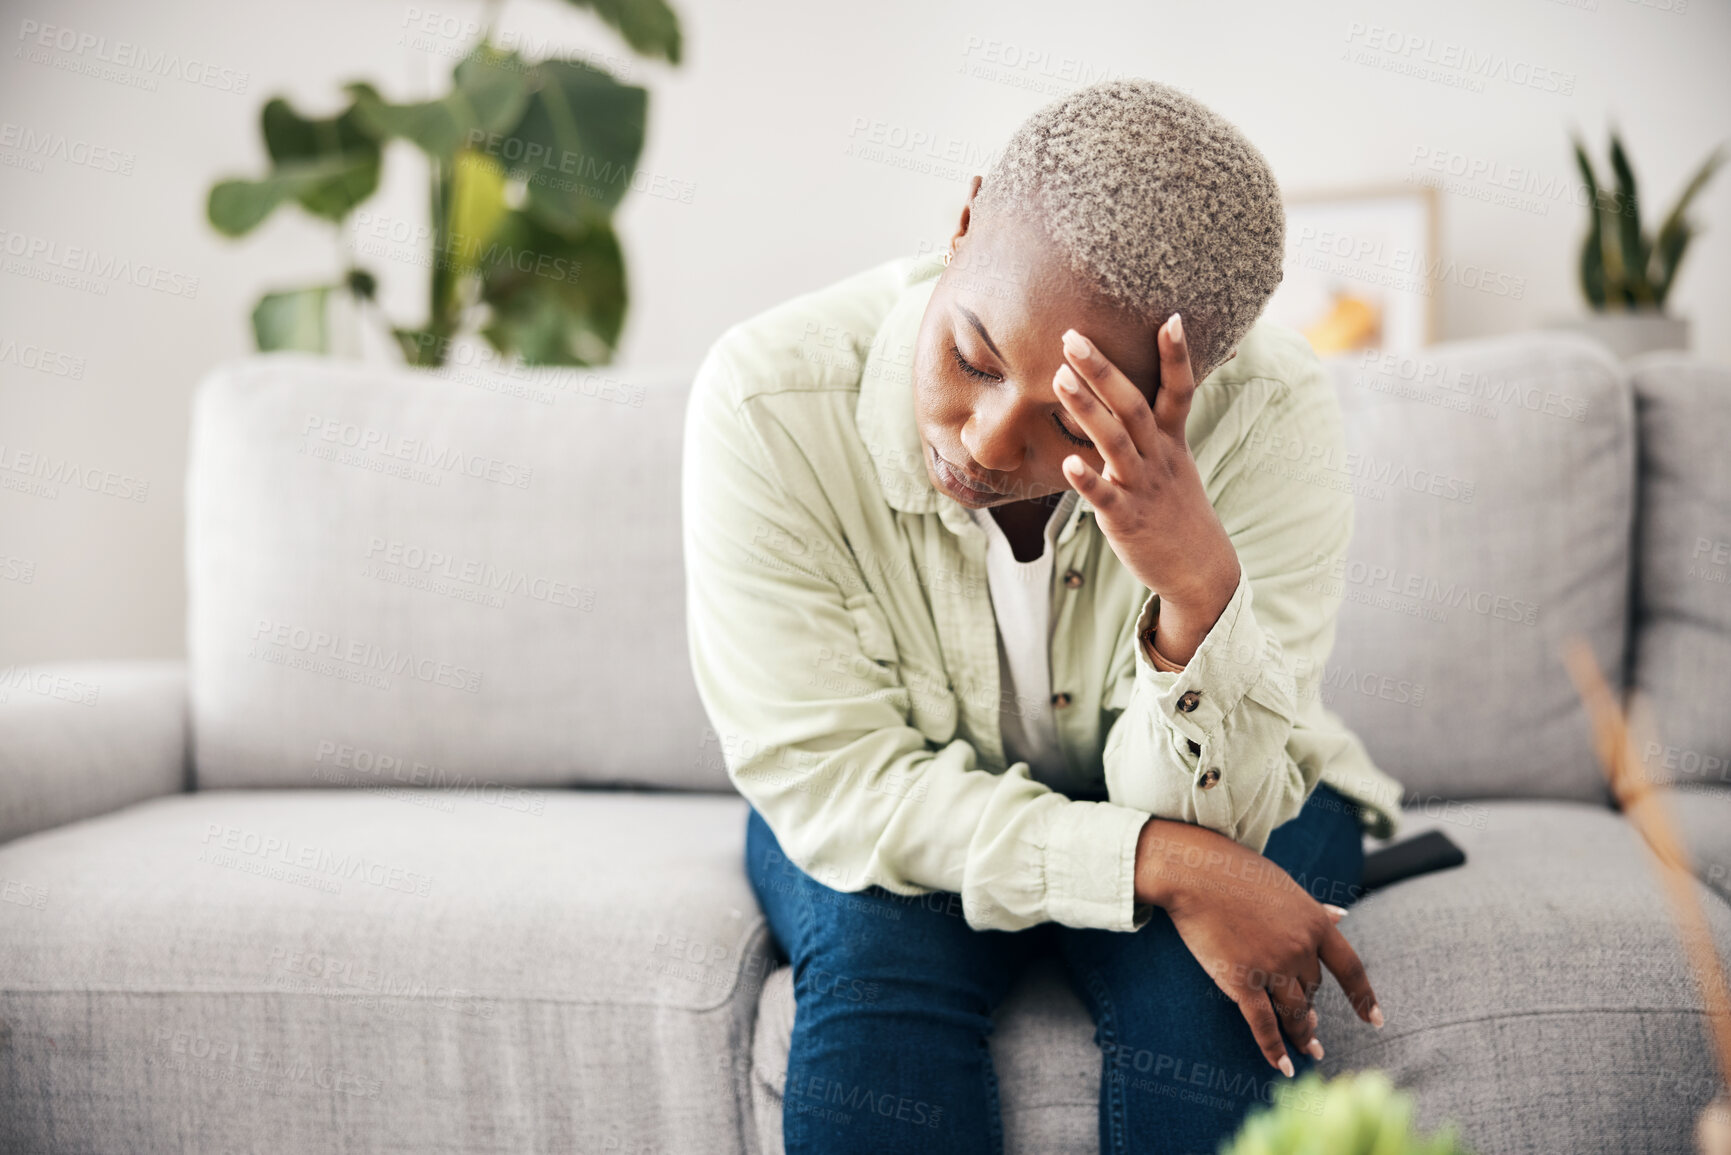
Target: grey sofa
x=428 y=846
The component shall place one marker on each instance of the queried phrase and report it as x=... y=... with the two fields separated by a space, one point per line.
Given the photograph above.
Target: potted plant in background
x=527 y=160
x=1626 y=273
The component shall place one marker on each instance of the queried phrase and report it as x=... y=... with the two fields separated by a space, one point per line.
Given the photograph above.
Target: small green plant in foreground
x=1356 y=1114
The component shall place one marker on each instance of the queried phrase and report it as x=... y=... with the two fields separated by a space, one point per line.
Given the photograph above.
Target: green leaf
x=431 y=125
x=1675 y=232
x=649 y=26
x=576 y=145
x=1667 y=255
x=1618 y=293
x=236 y=207
x=537 y=328
x=490 y=89
x=293 y=319
x=1632 y=246
x=423 y=348
x=554 y=300
x=290 y=137
x=495 y=84
x=1592 y=249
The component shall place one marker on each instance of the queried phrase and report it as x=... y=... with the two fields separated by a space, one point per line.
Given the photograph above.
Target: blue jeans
x=895 y=996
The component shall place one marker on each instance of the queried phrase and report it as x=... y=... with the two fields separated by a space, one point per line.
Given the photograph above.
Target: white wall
x=760 y=121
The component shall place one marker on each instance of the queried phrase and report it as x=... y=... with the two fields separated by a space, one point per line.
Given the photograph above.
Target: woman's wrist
x=1184 y=619
x=1161 y=878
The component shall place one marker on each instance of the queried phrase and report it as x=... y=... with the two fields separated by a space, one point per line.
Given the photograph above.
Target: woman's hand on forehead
x=1147 y=493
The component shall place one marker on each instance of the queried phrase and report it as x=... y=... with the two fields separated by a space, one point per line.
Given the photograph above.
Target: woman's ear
x=967 y=212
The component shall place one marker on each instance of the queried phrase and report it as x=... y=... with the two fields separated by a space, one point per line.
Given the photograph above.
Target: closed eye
x=1065 y=430
x=979 y=374
x=969 y=367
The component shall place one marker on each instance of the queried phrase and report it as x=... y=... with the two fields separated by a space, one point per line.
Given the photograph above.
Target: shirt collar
x=885 y=412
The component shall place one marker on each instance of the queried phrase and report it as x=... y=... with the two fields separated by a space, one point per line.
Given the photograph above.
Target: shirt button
x=1187 y=700
x=1073 y=579
x=1209 y=777
x=1060 y=700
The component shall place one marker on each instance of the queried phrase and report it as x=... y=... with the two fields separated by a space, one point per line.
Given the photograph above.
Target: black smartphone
x=1421 y=854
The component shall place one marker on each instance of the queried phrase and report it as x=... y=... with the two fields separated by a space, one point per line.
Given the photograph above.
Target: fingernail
x=1175 y=325
x=1337 y=911
x=1065 y=380
x=1311 y=1018
x=1286 y=1066
x=1314 y=1049
x=1077 y=345
x=1376 y=1016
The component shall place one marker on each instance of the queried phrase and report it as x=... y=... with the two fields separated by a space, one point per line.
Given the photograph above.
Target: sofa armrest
x=78 y=739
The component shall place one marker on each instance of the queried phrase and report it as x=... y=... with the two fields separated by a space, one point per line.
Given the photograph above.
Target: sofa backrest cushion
x=402 y=578
x=1681 y=651
x=1494 y=483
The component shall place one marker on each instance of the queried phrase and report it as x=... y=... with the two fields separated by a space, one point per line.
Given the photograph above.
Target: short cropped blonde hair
x=1159 y=203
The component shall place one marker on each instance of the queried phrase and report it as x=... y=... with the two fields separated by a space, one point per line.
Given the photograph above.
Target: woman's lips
x=958 y=483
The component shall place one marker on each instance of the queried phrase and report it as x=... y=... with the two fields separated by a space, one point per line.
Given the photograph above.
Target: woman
x=1013 y=634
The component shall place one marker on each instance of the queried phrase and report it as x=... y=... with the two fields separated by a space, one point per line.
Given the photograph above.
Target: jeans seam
x=1115 y=1141
x=788 y=1107
x=994 y=1108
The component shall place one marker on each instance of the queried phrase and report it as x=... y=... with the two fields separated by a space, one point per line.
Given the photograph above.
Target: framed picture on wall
x=1359 y=271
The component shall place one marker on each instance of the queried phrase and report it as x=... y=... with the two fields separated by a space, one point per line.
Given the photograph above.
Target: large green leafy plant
x=1357 y=1114
x=528 y=160
x=1622 y=265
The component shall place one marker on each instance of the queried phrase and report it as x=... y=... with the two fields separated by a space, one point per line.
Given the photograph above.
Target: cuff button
x=1209 y=777
x=1187 y=701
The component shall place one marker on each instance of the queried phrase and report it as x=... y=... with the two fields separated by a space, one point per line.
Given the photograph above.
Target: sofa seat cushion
x=250 y=970
x=1536 y=995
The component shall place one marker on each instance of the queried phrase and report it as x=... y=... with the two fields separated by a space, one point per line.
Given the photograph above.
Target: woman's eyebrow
x=981 y=329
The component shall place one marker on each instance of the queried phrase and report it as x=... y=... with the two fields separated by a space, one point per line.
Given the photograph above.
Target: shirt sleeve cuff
x=1090 y=867
x=1235 y=656
x=1161 y=662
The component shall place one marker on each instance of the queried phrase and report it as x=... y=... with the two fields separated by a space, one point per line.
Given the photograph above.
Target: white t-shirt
x=1022 y=603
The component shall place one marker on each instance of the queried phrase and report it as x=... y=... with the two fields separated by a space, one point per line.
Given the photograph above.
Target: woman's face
x=984 y=362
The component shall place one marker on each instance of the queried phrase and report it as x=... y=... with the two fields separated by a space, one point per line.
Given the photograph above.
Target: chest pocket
x=875 y=639
x=930 y=701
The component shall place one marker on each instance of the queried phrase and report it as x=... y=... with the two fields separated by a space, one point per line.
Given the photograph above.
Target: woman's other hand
x=1255 y=931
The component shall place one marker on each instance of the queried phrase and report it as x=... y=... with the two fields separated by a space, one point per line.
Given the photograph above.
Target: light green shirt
x=843 y=640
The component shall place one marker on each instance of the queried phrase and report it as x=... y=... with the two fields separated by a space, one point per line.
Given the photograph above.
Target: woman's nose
x=991 y=438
